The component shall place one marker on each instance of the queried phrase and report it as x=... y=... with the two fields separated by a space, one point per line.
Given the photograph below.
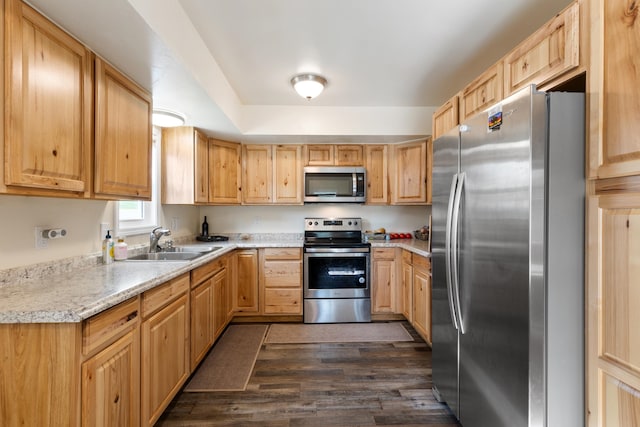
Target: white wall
x=19 y=215
x=289 y=219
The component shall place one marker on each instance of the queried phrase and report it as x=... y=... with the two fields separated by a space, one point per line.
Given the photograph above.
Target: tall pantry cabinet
x=613 y=215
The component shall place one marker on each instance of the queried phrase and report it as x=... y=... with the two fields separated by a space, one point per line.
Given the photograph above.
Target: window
x=135 y=216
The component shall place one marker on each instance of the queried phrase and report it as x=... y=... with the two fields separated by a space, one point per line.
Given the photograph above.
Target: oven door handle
x=345 y=272
x=337 y=250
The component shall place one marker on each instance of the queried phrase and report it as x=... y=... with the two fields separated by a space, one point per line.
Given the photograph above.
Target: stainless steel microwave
x=334 y=184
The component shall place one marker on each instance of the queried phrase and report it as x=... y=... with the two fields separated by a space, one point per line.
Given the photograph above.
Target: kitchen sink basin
x=167 y=256
x=191 y=248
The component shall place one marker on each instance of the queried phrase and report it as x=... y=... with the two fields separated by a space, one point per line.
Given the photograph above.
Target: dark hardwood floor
x=346 y=384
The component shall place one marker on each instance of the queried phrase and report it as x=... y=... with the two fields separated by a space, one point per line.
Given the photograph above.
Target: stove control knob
x=349 y=222
x=310 y=222
x=315 y=223
x=361 y=280
x=355 y=223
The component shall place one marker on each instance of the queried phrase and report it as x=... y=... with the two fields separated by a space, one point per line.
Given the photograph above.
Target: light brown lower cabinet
x=407 y=285
x=422 y=296
x=281 y=280
x=164 y=361
x=383 y=280
x=245 y=282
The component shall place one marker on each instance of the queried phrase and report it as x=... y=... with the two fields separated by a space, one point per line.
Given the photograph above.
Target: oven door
x=336 y=273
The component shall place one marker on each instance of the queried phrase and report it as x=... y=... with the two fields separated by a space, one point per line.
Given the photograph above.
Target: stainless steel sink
x=192 y=248
x=167 y=256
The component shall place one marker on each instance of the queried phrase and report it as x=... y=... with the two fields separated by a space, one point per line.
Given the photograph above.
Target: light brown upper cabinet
x=334 y=155
x=377 y=174
x=615 y=78
x=483 y=92
x=185 y=153
x=122 y=136
x=409 y=176
x=549 y=52
x=272 y=174
x=225 y=172
x=445 y=117
x=47 y=120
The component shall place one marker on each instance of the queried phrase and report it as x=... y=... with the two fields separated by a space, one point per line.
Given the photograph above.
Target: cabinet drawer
x=105 y=327
x=164 y=294
x=421 y=262
x=282 y=253
x=282 y=274
x=207 y=270
x=407 y=256
x=282 y=301
x=384 y=253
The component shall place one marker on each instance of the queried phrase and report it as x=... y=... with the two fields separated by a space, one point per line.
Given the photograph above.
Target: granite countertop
x=72 y=296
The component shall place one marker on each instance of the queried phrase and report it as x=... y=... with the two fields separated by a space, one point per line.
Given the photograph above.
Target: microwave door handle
x=354 y=188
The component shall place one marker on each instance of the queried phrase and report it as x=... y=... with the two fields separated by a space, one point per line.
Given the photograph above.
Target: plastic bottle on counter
x=205 y=227
x=107 y=249
x=120 y=250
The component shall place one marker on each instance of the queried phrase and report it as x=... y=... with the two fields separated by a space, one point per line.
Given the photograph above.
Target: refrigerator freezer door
x=444 y=333
x=494 y=264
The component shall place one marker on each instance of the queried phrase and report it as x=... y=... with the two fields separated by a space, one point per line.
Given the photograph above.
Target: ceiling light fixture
x=166 y=119
x=308 y=85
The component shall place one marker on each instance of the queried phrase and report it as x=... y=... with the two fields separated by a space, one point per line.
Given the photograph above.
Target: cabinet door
x=377 y=174
x=383 y=285
x=225 y=172
x=257 y=183
x=122 y=136
x=349 y=155
x=621 y=403
x=546 y=54
x=220 y=301
x=410 y=174
x=245 y=281
x=422 y=303
x=445 y=117
x=483 y=92
x=165 y=357
x=319 y=155
x=287 y=180
x=615 y=146
x=201 y=167
x=201 y=321
x=111 y=384
x=48 y=120
x=179 y=164
x=407 y=290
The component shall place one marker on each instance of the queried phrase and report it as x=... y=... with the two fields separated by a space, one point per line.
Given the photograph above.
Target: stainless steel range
x=336 y=271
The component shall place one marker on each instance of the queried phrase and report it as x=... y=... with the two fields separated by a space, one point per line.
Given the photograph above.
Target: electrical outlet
x=104 y=227
x=41 y=242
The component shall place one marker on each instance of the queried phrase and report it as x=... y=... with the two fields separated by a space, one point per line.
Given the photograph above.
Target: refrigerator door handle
x=447 y=251
x=455 y=253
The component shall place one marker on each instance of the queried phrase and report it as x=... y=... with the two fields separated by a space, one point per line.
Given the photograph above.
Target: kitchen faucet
x=155 y=236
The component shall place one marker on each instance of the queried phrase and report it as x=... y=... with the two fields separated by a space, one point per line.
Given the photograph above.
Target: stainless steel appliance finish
x=334 y=184
x=508 y=223
x=336 y=271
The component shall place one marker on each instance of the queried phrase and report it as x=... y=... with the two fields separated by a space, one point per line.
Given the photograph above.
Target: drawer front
x=282 y=301
x=283 y=274
x=282 y=253
x=162 y=295
x=106 y=327
x=384 y=253
x=407 y=256
x=421 y=262
x=206 y=271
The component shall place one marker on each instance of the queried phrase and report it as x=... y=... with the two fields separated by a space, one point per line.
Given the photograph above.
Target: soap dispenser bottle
x=107 y=248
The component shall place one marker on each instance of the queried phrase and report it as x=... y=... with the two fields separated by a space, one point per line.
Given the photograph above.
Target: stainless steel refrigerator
x=508 y=263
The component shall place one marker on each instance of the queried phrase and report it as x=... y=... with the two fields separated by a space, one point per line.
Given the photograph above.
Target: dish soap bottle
x=205 y=227
x=120 y=250
x=107 y=249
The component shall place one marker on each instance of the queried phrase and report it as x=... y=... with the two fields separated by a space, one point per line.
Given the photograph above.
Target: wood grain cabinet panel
x=257 y=177
x=407 y=285
x=409 y=174
x=383 y=281
x=446 y=117
x=287 y=170
x=202 y=333
x=483 y=92
x=123 y=136
x=618 y=153
x=281 y=280
x=549 y=52
x=422 y=297
x=185 y=178
x=376 y=159
x=319 y=155
x=245 y=282
x=48 y=126
x=225 y=172
x=349 y=155
x=621 y=403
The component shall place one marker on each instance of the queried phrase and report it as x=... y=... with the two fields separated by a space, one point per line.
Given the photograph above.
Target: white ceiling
x=226 y=64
